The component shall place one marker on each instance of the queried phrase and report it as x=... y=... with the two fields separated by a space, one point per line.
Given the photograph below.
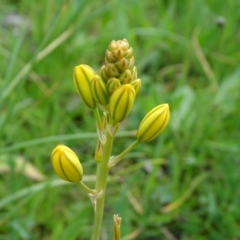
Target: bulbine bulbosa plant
x=110 y=94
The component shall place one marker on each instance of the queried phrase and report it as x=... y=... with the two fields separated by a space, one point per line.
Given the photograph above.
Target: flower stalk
x=88 y=190
x=101 y=182
x=114 y=160
x=112 y=91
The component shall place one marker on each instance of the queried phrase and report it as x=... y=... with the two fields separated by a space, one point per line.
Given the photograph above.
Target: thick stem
x=102 y=174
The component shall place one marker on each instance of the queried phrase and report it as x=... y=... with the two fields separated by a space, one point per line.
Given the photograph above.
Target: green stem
x=87 y=189
x=118 y=158
x=100 y=127
x=98 y=118
x=101 y=181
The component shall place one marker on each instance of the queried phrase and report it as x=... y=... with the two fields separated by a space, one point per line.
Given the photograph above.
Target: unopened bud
x=129 y=53
x=131 y=63
x=137 y=85
x=110 y=57
x=119 y=49
x=124 y=45
x=122 y=64
x=121 y=102
x=134 y=73
x=99 y=90
x=82 y=76
x=112 y=70
x=126 y=77
x=66 y=164
x=103 y=73
x=153 y=123
x=113 y=45
x=113 y=84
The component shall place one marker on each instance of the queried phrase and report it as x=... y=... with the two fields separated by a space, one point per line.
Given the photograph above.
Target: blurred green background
x=185 y=184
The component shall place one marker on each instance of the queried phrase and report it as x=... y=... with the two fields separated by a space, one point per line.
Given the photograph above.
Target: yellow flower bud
x=153 y=123
x=82 y=76
x=66 y=164
x=124 y=45
x=119 y=49
x=110 y=57
x=137 y=85
x=121 y=102
x=129 y=53
x=99 y=90
x=126 y=77
x=113 y=45
x=103 y=73
x=134 y=73
x=122 y=64
x=113 y=84
x=131 y=63
x=112 y=70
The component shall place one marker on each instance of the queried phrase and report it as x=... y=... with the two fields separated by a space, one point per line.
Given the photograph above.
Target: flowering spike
x=153 y=123
x=121 y=102
x=99 y=90
x=66 y=164
x=118 y=58
x=82 y=76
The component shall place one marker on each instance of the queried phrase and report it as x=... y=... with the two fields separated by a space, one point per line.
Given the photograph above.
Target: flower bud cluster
x=113 y=90
x=116 y=86
x=118 y=59
x=119 y=67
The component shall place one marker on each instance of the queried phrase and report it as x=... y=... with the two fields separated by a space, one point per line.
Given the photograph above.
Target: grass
x=183 y=185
